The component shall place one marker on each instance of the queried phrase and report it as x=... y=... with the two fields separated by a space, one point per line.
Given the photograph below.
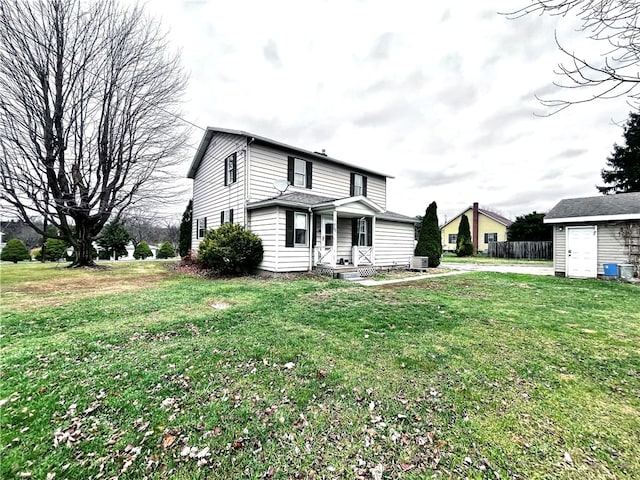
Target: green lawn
x=483 y=259
x=138 y=372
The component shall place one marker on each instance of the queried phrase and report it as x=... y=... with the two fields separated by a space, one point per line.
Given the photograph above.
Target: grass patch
x=473 y=375
x=483 y=259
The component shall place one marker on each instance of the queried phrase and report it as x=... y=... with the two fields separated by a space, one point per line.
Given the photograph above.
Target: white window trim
x=296 y=216
x=358 y=185
x=299 y=169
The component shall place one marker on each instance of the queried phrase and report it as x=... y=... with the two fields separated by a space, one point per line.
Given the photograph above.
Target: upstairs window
x=226 y=216
x=230 y=169
x=299 y=172
x=490 y=237
x=358 y=185
x=453 y=238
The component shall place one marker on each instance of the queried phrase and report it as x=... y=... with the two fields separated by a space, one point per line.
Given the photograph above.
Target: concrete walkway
x=459 y=268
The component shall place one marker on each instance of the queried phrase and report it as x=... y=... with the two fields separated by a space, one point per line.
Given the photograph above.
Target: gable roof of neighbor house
x=487 y=213
x=622 y=206
x=208 y=135
x=306 y=200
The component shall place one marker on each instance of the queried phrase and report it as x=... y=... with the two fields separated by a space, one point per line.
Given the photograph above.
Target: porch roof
x=307 y=200
x=294 y=199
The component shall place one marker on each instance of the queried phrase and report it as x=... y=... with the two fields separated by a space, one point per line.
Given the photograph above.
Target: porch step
x=350 y=276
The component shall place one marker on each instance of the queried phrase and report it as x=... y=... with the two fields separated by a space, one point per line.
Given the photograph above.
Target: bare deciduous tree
x=613 y=23
x=89 y=104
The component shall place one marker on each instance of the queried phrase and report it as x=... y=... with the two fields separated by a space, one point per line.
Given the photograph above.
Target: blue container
x=610 y=269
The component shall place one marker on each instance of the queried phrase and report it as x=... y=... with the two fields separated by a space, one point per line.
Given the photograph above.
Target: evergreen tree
x=530 y=228
x=166 y=251
x=184 y=244
x=623 y=176
x=55 y=249
x=114 y=239
x=464 y=245
x=142 y=251
x=15 y=251
x=429 y=241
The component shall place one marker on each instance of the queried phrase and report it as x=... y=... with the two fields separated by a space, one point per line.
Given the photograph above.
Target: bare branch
x=616 y=73
x=89 y=112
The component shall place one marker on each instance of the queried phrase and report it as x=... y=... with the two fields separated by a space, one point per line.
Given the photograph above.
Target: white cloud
x=443 y=99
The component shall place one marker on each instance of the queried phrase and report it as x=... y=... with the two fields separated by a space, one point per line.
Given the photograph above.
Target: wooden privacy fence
x=530 y=250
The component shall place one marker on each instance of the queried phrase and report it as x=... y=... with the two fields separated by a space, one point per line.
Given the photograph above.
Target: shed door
x=582 y=252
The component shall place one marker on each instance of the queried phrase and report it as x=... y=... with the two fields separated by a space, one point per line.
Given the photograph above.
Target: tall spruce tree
x=623 y=176
x=184 y=244
x=464 y=245
x=429 y=241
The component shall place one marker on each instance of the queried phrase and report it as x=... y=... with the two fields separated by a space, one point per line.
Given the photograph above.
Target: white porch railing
x=362 y=255
x=323 y=255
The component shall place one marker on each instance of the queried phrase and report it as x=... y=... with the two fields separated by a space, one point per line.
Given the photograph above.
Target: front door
x=326 y=239
x=582 y=252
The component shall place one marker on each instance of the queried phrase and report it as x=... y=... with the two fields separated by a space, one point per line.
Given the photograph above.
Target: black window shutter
x=288 y=232
x=226 y=171
x=309 y=175
x=234 y=167
x=369 y=223
x=222 y=217
x=231 y=215
x=354 y=231
x=290 y=170
x=205 y=224
x=364 y=186
x=197 y=228
x=352 y=186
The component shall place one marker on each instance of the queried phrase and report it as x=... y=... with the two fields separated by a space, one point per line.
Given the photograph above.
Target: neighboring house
x=593 y=231
x=310 y=210
x=486 y=226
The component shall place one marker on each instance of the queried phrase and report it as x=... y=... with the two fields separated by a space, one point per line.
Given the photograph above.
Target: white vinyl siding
x=611 y=245
x=344 y=239
x=270 y=225
x=393 y=243
x=263 y=223
x=210 y=195
x=329 y=179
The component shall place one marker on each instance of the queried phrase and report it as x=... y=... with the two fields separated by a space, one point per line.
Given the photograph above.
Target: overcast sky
x=440 y=97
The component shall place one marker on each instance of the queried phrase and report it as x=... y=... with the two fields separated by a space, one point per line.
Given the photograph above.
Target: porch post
x=334 y=247
x=373 y=243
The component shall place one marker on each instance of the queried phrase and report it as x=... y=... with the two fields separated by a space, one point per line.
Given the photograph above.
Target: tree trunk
x=84 y=248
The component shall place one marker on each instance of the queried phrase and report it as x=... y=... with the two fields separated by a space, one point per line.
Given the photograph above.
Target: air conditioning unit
x=419 y=263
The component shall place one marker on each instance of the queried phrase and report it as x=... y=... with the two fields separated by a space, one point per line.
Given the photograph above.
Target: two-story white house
x=310 y=210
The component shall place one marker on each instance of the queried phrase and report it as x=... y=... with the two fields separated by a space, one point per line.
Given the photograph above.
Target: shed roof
x=622 y=206
x=208 y=135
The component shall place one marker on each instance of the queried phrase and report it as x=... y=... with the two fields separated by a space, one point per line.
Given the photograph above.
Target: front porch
x=335 y=272
x=343 y=235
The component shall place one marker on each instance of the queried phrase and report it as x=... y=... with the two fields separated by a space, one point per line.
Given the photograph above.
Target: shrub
x=55 y=249
x=15 y=251
x=430 y=241
x=464 y=246
x=231 y=249
x=165 y=251
x=142 y=251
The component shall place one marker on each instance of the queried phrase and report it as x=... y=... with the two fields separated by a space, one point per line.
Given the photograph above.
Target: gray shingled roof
x=294 y=199
x=306 y=200
x=396 y=217
x=600 y=206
